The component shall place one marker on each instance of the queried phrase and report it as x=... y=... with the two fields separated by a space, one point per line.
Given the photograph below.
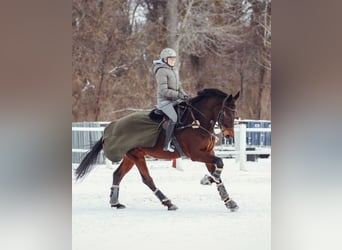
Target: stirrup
x=169 y=147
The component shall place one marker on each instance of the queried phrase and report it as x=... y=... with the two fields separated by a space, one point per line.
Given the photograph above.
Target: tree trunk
x=260 y=94
x=172 y=22
x=241 y=83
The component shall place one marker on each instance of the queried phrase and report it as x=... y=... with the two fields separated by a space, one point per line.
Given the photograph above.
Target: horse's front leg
x=215 y=166
x=213 y=163
x=208 y=180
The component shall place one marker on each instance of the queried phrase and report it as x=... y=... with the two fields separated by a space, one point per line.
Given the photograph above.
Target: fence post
x=242 y=147
x=237 y=142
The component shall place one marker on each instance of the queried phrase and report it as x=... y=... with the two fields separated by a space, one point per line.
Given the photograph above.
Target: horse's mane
x=207 y=93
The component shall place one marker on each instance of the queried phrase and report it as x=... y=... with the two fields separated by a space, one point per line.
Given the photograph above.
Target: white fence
x=239 y=149
x=84 y=135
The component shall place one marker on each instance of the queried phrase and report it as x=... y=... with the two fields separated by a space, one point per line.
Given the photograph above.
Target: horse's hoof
x=169 y=205
x=172 y=207
x=232 y=206
x=119 y=206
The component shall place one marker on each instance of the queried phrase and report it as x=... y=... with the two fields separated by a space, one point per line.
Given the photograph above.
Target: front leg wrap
x=215 y=177
x=230 y=204
x=217 y=174
x=223 y=192
x=218 y=170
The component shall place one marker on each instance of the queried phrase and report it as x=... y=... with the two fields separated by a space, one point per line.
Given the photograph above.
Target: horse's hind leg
x=140 y=162
x=118 y=174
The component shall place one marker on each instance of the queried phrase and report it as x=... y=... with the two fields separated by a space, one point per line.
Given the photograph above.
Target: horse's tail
x=89 y=160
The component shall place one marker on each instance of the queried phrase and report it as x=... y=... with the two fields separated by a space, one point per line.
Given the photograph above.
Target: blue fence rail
x=259 y=139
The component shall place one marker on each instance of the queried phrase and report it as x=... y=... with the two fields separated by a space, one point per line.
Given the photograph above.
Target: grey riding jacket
x=169 y=88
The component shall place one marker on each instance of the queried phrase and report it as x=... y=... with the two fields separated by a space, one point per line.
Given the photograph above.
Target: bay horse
x=209 y=107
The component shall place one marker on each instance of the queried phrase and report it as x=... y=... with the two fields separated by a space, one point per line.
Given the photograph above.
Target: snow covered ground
x=201 y=222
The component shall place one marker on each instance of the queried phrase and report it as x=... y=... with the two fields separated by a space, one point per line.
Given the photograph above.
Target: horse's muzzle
x=228 y=132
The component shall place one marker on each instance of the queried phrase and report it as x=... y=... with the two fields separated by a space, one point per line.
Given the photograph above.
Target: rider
x=169 y=90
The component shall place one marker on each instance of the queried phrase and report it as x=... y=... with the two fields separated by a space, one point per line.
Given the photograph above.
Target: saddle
x=181 y=109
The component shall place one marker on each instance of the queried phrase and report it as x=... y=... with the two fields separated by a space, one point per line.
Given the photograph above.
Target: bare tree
x=209 y=27
x=221 y=43
x=261 y=35
x=98 y=27
x=265 y=24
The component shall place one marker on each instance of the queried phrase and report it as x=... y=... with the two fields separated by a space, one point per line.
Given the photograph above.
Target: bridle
x=220 y=116
x=219 y=119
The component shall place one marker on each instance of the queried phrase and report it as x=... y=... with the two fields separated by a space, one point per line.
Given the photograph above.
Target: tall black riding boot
x=168 y=135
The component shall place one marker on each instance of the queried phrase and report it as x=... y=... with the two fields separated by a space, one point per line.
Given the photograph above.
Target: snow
x=201 y=222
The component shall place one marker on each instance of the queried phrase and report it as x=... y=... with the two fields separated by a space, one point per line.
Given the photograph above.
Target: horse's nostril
x=228 y=133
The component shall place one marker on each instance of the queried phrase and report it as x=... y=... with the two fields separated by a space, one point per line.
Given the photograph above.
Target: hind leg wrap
x=164 y=200
x=161 y=196
x=114 y=195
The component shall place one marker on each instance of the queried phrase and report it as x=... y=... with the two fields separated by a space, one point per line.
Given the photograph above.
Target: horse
x=196 y=139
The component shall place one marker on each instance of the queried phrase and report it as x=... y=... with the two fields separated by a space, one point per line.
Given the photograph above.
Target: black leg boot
x=168 y=135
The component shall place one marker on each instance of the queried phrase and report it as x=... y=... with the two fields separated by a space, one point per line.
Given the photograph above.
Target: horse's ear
x=229 y=98
x=237 y=96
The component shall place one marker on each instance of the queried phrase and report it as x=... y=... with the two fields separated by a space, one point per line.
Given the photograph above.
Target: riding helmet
x=167 y=52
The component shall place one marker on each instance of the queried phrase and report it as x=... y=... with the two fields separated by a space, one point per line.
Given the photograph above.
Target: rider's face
x=171 y=61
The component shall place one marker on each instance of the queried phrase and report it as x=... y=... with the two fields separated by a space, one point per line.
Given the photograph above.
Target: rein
x=196 y=123
x=218 y=118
